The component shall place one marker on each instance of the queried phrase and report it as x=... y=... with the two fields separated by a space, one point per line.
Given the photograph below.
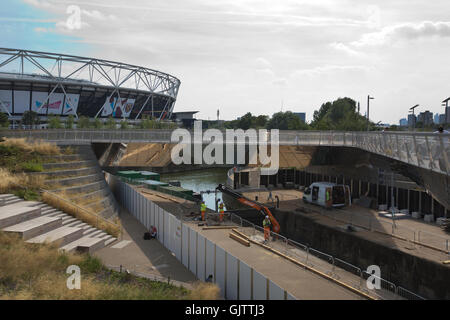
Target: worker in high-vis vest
x=221 y=212
x=266 y=225
x=327 y=196
x=203 y=210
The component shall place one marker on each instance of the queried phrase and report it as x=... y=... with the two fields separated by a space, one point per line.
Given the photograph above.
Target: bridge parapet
x=425 y=150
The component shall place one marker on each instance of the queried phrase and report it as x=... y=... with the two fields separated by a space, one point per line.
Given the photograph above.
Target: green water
x=200 y=180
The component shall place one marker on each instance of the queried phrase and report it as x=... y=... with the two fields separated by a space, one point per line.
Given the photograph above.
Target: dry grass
x=83 y=214
x=10 y=181
x=38 y=146
x=35 y=271
x=205 y=291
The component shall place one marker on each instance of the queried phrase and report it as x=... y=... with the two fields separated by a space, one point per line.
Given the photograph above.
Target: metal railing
x=326 y=263
x=425 y=150
x=388 y=227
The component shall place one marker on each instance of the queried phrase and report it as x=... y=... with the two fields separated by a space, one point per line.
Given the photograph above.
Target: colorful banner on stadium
x=53 y=104
x=117 y=108
x=71 y=103
x=6 y=101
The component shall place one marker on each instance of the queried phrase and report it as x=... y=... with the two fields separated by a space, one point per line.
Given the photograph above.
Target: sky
x=257 y=56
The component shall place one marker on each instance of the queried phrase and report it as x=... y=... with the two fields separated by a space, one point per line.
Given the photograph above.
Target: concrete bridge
x=427 y=151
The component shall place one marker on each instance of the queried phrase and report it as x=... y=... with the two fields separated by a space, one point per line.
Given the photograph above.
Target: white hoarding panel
x=177 y=240
x=245 y=281
x=210 y=259
x=259 y=286
x=193 y=251
x=275 y=292
x=291 y=297
x=220 y=269
x=167 y=230
x=6 y=101
x=21 y=101
x=185 y=246
x=232 y=277
x=201 y=258
x=161 y=225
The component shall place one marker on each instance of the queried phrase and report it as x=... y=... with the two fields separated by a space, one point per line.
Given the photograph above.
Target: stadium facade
x=57 y=84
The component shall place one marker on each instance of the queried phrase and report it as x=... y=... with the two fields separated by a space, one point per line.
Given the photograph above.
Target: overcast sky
x=256 y=56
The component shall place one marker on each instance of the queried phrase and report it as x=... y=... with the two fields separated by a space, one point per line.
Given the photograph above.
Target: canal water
x=200 y=180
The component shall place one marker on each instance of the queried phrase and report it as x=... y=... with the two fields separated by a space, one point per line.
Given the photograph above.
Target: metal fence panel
x=259 y=286
x=220 y=269
x=210 y=259
x=232 y=277
x=245 y=281
x=201 y=257
x=193 y=251
x=185 y=245
x=275 y=292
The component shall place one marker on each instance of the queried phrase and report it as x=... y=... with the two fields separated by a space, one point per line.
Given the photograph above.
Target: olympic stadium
x=58 y=84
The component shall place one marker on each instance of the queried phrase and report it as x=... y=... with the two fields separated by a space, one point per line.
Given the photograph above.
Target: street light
x=368 y=102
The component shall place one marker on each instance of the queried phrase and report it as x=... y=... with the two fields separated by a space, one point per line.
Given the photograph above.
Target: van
x=327 y=194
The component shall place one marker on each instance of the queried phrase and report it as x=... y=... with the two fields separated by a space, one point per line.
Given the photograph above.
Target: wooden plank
x=240 y=239
x=219 y=227
x=446 y=262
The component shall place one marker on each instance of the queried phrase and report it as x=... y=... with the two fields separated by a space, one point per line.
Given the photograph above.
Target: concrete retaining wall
x=425 y=277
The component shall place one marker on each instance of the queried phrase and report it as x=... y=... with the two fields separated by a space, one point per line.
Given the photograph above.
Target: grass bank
x=36 y=271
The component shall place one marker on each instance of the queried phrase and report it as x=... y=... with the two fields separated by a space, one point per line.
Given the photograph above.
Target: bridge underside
x=350 y=162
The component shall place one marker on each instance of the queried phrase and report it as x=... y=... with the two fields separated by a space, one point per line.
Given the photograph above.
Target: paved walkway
x=431 y=234
x=147 y=257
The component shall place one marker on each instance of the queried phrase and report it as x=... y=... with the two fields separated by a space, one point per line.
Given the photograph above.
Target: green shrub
x=31 y=166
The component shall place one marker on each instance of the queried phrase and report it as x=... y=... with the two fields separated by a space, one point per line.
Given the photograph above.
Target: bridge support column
x=351 y=186
x=420 y=201
x=396 y=198
x=409 y=197
x=378 y=193
x=359 y=188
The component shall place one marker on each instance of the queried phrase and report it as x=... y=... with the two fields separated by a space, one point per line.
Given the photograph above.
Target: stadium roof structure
x=60 y=71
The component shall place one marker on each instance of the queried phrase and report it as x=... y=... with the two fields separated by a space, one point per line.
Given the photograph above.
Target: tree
x=286 y=121
x=245 y=122
x=4 y=120
x=54 y=122
x=83 y=122
x=30 y=118
x=69 y=122
x=340 y=114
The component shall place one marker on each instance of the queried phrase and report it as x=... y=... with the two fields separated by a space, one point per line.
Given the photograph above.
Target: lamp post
x=368 y=103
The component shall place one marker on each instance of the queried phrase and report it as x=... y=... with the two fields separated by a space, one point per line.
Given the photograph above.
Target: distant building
x=446 y=104
x=436 y=118
x=426 y=118
x=301 y=115
x=412 y=120
x=441 y=119
x=184 y=117
x=403 y=122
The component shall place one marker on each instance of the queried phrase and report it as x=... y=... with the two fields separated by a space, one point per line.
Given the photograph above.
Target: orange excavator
x=250 y=203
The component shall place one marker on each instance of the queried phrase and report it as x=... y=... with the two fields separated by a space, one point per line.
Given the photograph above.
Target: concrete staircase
x=37 y=222
x=79 y=178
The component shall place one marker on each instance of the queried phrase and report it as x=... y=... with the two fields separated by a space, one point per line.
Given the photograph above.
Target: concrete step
x=12 y=201
x=69 y=165
x=105 y=236
x=96 y=233
x=91 y=178
x=57 y=213
x=88 y=231
x=49 y=210
x=76 y=224
x=66 y=221
x=34 y=227
x=84 y=244
x=5 y=195
x=14 y=214
x=62 y=236
x=88 y=188
x=110 y=241
x=60 y=174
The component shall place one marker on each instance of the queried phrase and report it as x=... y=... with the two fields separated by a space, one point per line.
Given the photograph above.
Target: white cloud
x=405 y=31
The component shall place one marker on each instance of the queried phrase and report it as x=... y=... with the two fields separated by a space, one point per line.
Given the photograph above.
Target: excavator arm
x=252 y=204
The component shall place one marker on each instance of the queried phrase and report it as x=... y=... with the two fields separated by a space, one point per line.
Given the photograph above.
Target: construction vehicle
x=250 y=203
